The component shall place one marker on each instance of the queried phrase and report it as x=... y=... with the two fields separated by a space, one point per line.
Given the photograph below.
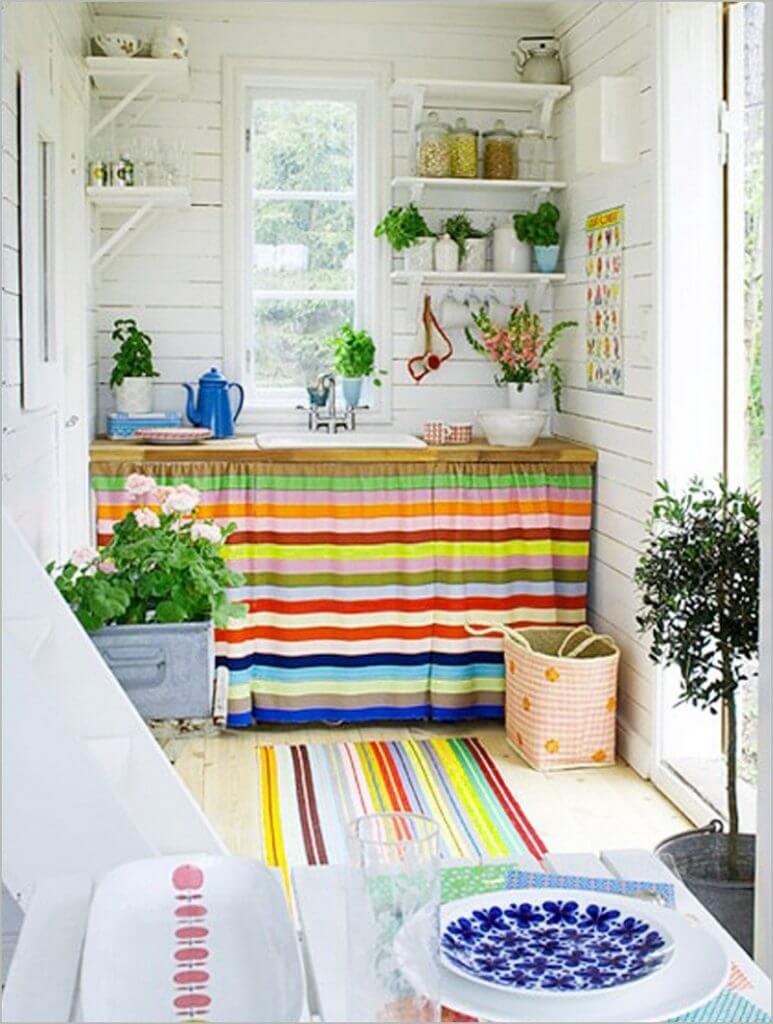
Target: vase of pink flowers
x=523 y=351
x=150 y=597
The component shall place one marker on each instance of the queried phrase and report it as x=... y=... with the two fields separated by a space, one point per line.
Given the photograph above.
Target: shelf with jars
x=416 y=186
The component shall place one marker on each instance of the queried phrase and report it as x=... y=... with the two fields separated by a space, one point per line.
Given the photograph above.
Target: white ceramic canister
x=511 y=255
x=474 y=259
x=420 y=255
x=134 y=395
x=446 y=255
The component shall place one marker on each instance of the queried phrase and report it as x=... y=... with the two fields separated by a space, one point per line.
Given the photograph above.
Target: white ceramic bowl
x=118 y=44
x=512 y=428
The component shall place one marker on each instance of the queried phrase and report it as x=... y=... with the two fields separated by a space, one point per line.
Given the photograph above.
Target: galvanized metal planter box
x=166 y=669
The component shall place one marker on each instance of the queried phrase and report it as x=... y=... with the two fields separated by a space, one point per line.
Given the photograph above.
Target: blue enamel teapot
x=212 y=408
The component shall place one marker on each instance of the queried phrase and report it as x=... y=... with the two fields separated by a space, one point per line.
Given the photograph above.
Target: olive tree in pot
x=150 y=597
x=698 y=577
x=133 y=372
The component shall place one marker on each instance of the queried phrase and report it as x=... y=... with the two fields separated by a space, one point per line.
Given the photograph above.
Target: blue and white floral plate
x=546 y=942
x=696 y=970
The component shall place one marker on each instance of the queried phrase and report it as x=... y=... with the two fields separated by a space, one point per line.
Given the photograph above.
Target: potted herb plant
x=699 y=579
x=133 y=372
x=150 y=597
x=406 y=231
x=354 y=356
x=469 y=240
x=540 y=231
x=523 y=351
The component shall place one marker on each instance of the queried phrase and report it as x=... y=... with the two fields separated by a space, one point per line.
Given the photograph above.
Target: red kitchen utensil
x=429 y=360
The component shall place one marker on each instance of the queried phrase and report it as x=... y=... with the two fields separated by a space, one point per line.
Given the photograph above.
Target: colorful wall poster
x=604 y=300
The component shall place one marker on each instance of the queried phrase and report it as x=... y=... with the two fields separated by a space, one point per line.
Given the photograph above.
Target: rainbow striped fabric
x=310 y=793
x=360 y=578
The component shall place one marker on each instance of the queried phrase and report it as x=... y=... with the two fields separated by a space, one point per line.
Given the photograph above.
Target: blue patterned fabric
x=728 y=1008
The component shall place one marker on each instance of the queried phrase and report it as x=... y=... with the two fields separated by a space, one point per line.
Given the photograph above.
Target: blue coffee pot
x=212 y=408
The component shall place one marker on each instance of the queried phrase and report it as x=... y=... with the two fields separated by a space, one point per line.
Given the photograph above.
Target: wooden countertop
x=244 y=449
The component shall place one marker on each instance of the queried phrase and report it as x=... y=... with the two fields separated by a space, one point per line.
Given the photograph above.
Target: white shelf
x=132 y=197
x=462 y=277
x=416 y=186
x=424 y=92
x=115 y=76
x=142 y=205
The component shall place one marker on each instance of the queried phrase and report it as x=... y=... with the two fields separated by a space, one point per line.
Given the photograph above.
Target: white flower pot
x=446 y=255
x=420 y=255
x=134 y=395
x=474 y=259
x=511 y=255
x=525 y=399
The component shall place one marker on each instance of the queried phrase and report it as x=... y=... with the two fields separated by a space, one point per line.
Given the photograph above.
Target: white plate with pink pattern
x=173 y=435
x=190 y=938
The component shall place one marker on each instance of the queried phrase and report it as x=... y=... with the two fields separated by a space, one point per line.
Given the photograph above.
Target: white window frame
x=368 y=86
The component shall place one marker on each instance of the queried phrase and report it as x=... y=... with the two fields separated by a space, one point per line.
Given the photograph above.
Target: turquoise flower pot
x=352 y=390
x=546 y=257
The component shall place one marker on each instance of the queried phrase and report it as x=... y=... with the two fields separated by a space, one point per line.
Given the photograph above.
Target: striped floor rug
x=310 y=793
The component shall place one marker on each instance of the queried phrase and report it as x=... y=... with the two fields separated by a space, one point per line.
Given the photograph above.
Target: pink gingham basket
x=560 y=694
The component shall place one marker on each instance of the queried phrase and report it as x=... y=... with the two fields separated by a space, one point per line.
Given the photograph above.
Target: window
x=307 y=192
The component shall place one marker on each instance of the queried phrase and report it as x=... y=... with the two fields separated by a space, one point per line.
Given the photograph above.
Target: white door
x=74 y=342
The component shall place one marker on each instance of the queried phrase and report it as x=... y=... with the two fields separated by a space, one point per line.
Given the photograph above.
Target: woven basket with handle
x=560 y=694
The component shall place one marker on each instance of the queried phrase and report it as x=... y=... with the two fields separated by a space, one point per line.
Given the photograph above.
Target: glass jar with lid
x=532 y=151
x=464 y=150
x=433 y=148
x=499 y=152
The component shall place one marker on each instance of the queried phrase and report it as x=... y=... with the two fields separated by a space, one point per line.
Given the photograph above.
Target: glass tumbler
x=392 y=916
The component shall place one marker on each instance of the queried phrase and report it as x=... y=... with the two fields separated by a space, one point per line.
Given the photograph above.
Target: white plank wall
x=32 y=467
x=615 y=39
x=171 y=275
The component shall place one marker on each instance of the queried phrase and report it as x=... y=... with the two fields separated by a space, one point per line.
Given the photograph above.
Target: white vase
x=419 y=256
x=446 y=255
x=474 y=259
x=134 y=395
x=511 y=255
x=525 y=399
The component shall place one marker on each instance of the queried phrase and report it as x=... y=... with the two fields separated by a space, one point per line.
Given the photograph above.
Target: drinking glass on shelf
x=392 y=916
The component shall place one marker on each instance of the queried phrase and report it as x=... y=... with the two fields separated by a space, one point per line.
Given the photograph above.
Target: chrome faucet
x=322 y=411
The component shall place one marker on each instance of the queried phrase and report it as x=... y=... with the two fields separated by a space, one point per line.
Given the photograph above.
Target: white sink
x=310 y=439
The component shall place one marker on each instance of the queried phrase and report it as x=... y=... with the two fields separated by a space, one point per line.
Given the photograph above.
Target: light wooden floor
x=582 y=811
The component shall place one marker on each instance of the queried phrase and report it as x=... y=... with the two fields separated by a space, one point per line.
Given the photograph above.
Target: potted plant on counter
x=354 y=356
x=540 y=230
x=406 y=231
x=150 y=597
x=469 y=240
x=699 y=581
x=133 y=372
x=523 y=351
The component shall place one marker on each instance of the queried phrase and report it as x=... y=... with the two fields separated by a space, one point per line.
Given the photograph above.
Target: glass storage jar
x=499 y=152
x=433 y=150
x=464 y=150
x=531 y=154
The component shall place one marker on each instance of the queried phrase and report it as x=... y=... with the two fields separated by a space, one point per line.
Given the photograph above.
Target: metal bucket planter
x=166 y=669
x=700 y=860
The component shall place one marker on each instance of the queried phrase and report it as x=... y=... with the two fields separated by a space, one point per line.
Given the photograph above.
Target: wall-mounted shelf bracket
x=143 y=203
x=132 y=221
x=122 y=104
x=127 y=78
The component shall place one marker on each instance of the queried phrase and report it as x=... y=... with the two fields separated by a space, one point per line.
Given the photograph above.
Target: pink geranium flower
x=140 y=488
x=207 y=531
x=146 y=517
x=182 y=500
x=83 y=556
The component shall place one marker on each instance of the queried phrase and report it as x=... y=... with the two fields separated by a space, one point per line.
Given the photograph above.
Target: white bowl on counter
x=512 y=428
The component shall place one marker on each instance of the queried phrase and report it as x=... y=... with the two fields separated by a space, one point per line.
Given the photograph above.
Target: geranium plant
x=163 y=564
x=699 y=581
x=522 y=349
x=133 y=357
x=354 y=353
x=403 y=226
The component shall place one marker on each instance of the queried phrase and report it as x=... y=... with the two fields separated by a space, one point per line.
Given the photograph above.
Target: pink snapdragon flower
x=140 y=488
x=207 y=531
x=182 y=500
x=146 y=517
x=83 y=556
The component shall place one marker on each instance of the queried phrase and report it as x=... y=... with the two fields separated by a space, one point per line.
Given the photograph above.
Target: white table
x=320 y=897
